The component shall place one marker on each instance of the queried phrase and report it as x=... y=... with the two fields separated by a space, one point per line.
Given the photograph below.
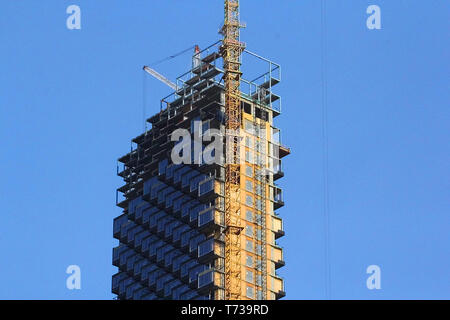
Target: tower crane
x=231 y=51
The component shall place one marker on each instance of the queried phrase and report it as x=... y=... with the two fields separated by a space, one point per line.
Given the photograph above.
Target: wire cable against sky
x=171 y=56
x=326 y=205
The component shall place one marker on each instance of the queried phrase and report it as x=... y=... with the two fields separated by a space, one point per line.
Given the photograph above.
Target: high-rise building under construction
x=200 y=221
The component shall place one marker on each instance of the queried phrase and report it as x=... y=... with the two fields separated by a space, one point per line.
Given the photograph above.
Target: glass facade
x=171 y=213
x=162 y=251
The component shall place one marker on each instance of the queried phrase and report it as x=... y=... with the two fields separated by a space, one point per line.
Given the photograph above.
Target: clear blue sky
x=71 y=100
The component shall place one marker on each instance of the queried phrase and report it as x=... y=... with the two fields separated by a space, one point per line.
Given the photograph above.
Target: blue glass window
x=187 y=266
x=206 y=186
x=205 y=278
x=119 y=221
x=205 y=247
x=206 y=216
x=178 y=231
x=193 y=273
x=162 y=165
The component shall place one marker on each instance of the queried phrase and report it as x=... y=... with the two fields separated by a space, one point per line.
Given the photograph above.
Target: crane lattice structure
x=160 y=77
x=232 y=49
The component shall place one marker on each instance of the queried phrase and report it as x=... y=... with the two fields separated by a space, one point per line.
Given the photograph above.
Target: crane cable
x=326 y=202
x=171 y=56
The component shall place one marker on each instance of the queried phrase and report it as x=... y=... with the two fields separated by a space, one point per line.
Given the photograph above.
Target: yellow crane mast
x=231 y=51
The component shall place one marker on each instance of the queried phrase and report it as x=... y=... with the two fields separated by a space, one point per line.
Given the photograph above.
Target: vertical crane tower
x=232 y=49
